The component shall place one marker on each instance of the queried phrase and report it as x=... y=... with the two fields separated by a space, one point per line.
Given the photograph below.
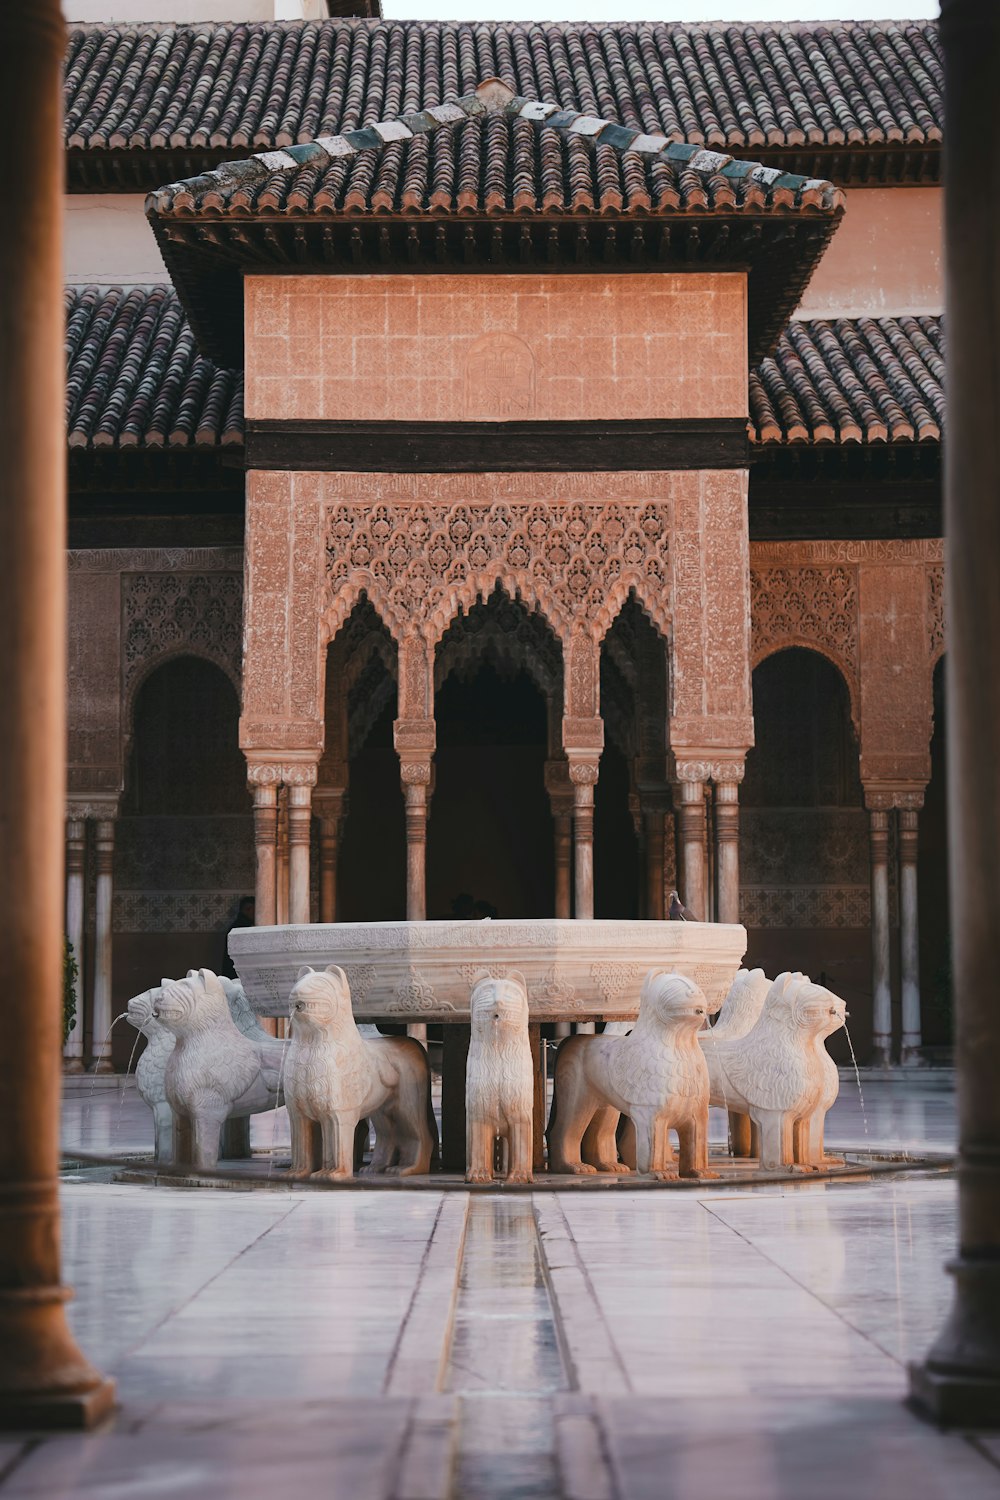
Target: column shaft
x=563 y=822
x=909 y=937
x=960 y=1382
x=654 y=865
x=328 y=869
x=299 y=824
x=76 y=831
x=727 y=850
x=878 y=851
x=692 y=830
x=281 y=860
x=416 y=851
x=583 y=849
x=44 y=1379
x=104 y=848
x=265 y=832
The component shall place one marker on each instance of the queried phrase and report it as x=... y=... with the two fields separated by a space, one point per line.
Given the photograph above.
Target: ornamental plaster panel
x=179 y=614
x=422 y=548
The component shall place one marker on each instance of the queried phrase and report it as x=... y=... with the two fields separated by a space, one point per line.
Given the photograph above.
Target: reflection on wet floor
x=505 y=1348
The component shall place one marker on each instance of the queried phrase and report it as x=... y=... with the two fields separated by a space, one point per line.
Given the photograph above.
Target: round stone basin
x=424 y=971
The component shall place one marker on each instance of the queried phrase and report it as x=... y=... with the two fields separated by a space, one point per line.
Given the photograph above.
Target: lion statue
x=656 y=1076
x=150 y=1073
x=499 y=1080
x=335 y=1077
x=152 y=1067
x=214 y=1073
x=739 y=1014
x=780 y=1073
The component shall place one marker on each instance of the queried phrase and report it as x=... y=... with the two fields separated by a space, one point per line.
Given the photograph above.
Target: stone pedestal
x=44 y=1380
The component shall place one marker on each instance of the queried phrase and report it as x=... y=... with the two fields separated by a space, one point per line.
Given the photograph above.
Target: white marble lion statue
x=335 y=1077
x=150 y=1073
x=214 y=1072
x=780 y=1073
x=499 y=1080
x=151 y=1068
x=656 y=1076
x=739 y=1014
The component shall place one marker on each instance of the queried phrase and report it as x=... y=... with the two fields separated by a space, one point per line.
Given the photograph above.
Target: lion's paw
x=701 y=1174
x=520 y=1177
x=479 y=1176
x=614 y=1166
x=332 y=1174
x=667 y=1174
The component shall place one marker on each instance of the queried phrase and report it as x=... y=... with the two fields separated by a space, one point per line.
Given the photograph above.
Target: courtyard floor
x=416 y=1344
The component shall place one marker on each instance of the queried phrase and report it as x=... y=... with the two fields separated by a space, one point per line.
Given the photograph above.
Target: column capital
x=883 y=796
x=697 y=766
x=92 y=808
x=281 y=769
x=330 y=802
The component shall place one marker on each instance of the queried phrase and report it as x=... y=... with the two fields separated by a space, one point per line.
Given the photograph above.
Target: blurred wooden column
x=959 y=1382
x=44 y=1379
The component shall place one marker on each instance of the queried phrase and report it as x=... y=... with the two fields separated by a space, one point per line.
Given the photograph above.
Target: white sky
x=652 y=10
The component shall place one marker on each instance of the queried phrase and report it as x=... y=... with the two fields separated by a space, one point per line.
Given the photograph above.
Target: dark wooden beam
x=497 y=447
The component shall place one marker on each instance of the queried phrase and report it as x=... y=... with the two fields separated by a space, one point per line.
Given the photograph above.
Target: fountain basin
x=424 y=971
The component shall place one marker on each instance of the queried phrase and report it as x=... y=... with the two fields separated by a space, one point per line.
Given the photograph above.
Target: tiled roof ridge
x=870 y=23
x=491 y=96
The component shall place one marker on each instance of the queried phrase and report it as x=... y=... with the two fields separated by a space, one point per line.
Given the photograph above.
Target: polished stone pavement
x=429 y=1346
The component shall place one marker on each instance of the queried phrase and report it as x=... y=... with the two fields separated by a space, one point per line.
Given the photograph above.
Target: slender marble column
x=959 y=1384
x=265 y=833
x=299 y=823
x=727 y=850
x=878 y=851
x=328 y=869
x=76 y=834
x=584 y=778
x=415 y=793
x=281 y=859
x=692 y=830
x=654 y=864
x=104 y=850
x=909 y=937
x=44 y=1379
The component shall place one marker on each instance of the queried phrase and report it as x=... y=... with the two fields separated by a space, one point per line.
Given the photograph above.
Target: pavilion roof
x=135 y=380
x=497 y=181
x=851 y=101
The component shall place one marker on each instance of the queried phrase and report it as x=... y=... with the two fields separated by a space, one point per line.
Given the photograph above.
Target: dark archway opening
x=361 y=709
x=184 y=839
x=634 y=710
x=804 y=873
x=490 y=834
x=932 y=877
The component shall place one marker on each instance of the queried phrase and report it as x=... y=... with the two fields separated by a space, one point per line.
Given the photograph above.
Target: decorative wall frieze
x=99 y=808
x=919 y=550
x=155 y=560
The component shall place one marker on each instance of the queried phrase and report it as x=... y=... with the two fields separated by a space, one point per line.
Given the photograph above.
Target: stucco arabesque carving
x=815 y=607
x=174 y=613
x=420 y=564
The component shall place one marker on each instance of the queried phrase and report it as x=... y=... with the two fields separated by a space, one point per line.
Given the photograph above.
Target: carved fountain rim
x=423 y=971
